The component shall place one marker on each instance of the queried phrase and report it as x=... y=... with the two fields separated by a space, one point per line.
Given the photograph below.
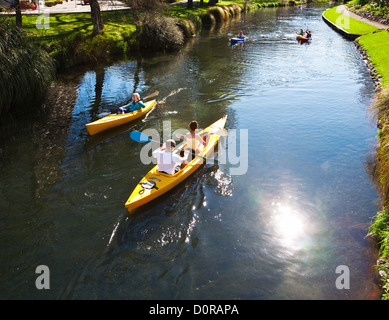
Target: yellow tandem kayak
x=155 y=183
x=114 y=120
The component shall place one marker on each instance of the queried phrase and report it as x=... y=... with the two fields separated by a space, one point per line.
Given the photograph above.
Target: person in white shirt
x=166 y=159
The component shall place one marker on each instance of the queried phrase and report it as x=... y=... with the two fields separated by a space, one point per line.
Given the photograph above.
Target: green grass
x=380 y=228
x=376 y=46
x=69 y=36
x=348 y=24
x=115 y=22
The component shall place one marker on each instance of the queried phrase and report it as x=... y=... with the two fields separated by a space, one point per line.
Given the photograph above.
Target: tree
x=212 y=2
x=97 y=20
x=18 y=14
x=190 y=4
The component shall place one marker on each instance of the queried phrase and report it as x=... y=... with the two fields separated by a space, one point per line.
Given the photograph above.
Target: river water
x=277 y=228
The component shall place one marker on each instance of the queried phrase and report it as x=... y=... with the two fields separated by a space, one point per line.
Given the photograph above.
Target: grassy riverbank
x=374 y=45
x=69 y=40
x=380 y=226
x=69 y=37
x=348 y=24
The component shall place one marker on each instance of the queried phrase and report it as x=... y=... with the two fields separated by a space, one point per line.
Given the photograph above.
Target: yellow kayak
x=155 y=183
x=114 y=120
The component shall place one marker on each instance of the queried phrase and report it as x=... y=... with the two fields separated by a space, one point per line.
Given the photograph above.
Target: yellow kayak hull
x=115 y=120
x=164 y=182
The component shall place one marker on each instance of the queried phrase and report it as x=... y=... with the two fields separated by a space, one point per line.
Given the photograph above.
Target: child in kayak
x=167 y=160
x=301 y=33
x=241 y=35
x=134 y=105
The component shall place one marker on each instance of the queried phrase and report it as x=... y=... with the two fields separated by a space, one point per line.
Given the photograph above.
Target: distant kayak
x=235 y=40
x=302 y=38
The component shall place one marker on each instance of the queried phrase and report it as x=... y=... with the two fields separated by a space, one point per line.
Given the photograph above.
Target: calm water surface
x=279 y=231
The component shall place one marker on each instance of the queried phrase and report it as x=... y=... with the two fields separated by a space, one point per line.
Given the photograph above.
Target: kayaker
x=241 y=35
x=168 y=162
x=194 y=140
x=134 y=105
x=308 y=34
x=301 y=33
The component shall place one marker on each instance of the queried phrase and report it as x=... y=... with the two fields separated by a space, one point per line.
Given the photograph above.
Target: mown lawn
x=376 y=46
x=120 y=21
x=348 y=24
x=69 y=39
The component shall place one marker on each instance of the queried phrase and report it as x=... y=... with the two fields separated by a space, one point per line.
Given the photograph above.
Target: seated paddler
x=135 y=104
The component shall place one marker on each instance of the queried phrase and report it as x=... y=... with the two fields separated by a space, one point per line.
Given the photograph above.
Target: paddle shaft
x=136 y=138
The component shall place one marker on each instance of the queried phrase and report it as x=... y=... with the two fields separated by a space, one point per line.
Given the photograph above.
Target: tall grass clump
x=26 y=70
x=159 y=34
x=381 y=109
x=218 y=13
x=380 y=228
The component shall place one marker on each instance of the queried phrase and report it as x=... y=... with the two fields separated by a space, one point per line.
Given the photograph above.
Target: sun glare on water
x=289 y=225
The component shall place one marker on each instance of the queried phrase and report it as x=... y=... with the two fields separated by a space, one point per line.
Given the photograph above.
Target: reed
x=380 y=228
x=26 y=70
x=381 y=111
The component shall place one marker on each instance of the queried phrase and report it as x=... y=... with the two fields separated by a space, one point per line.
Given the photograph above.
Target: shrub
x=208 y=19
x=187 y=27
x=159 y=33
x=26 y=70
x=382 y=113
x=218 y=13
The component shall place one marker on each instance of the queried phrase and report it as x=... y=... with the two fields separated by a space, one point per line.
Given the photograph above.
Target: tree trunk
x=190 y=4
x=212 y=2
x=18 y=14
x=97 y=21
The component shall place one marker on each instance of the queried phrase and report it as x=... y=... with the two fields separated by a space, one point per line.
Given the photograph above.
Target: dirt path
x=344 y=10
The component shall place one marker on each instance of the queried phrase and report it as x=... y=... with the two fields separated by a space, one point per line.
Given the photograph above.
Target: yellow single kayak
x=114 y=120
x=155 y=183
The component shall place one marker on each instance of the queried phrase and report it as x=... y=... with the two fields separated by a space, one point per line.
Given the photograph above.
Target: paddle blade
x=219 y=131
x=151 y=95
x=103 y=115
x=139 y=137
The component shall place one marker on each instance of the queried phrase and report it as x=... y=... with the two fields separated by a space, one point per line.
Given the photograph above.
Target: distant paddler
x=241 y=35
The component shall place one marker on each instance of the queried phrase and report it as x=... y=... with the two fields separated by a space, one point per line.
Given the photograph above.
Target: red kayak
x=302 y=38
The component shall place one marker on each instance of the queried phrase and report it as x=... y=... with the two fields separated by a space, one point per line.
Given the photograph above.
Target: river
x=277 y=228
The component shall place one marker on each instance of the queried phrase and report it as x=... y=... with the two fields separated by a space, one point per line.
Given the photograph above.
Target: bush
x=207 y=19
x=187 y=27
x=381 y=109
x=159 y=33
x=26 y=70
x=218 y=13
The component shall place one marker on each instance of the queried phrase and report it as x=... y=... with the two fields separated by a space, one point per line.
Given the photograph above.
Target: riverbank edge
x=379 y=228
x=347 y=35
x=86 y=48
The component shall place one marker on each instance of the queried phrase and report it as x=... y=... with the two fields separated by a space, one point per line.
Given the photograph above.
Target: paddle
x=155 y=93
x=215 y=130
x=142 y=138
